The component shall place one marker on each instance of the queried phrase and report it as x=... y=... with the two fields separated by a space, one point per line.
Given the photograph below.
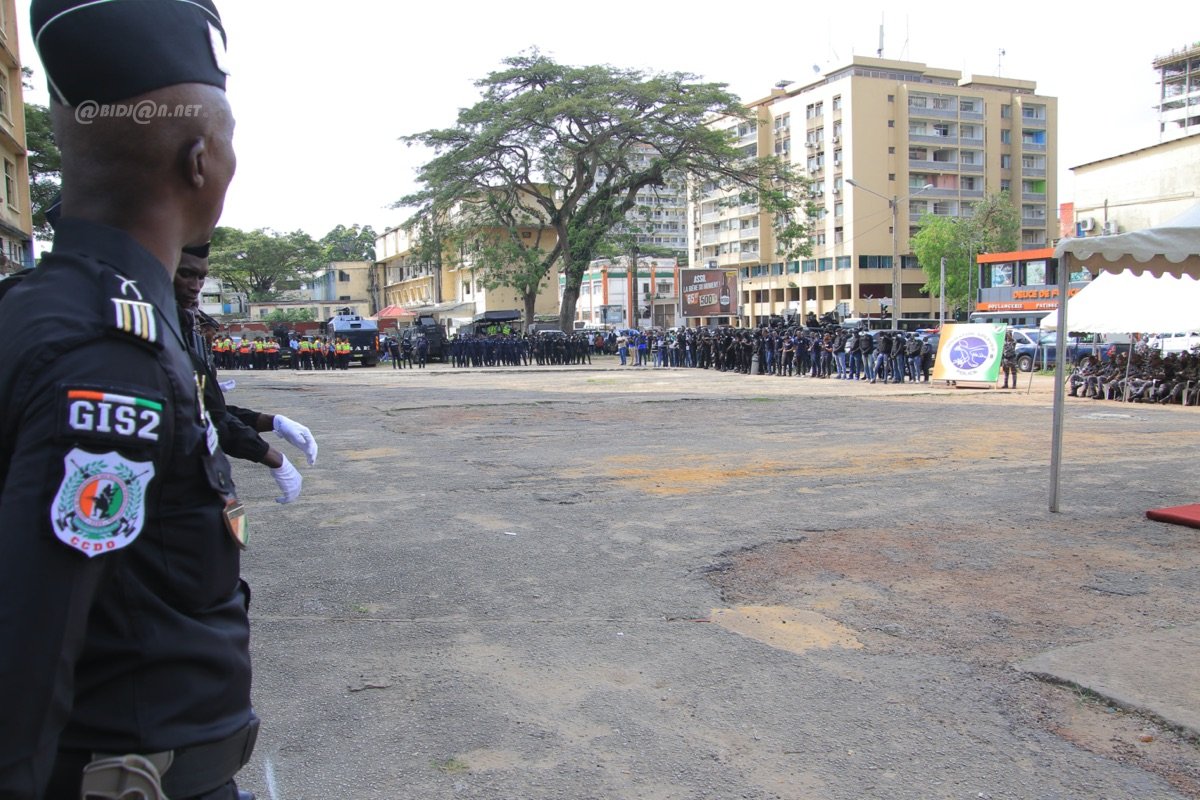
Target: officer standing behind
x=237 y=428
x=125 y=630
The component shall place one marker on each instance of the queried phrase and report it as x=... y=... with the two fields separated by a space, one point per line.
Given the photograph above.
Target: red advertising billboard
x=708 y=292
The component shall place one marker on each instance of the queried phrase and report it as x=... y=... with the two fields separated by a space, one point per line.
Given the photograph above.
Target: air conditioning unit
x=837 y=190
x=1086 y=224
x=810 y=145
x=836 y=139
x=1111 y=228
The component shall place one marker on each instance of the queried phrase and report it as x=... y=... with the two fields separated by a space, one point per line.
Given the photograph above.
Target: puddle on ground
x=786 y=628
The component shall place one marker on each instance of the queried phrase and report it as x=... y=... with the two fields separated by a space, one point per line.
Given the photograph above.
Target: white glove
x=298 y=435
x=227 y=386
x=289 y=481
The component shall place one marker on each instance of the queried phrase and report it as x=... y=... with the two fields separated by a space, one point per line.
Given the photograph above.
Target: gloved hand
x=227 y=386
x=298 y=435
x=289 y=481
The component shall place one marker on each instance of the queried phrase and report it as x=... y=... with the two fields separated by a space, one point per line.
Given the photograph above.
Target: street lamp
x=894 y=204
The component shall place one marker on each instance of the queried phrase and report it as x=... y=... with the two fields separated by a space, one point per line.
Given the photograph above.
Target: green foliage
x=290 y=315
x=563 y=150
x=257 y=262
x=45 y=162
x=993 y=228
x=354 y=243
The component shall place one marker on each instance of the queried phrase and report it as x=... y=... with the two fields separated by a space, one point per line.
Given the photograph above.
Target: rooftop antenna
x=904 y=49
x=879 y=52
x=999 y=57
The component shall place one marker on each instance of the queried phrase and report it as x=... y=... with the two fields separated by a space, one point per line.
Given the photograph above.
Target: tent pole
x=1060 y=379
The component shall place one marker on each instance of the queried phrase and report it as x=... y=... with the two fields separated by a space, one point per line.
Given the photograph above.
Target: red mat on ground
x=1180 y=515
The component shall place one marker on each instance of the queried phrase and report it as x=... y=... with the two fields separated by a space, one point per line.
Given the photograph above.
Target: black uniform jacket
x=235 y=426
x=123 y=622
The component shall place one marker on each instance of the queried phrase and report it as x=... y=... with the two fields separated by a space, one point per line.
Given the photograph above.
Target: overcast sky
x=321 y=98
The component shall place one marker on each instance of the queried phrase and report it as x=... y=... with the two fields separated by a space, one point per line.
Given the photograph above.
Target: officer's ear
x=196 y=164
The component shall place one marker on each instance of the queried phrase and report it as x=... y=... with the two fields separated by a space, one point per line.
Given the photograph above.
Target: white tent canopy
x=1171 y=248
x=1124 y=302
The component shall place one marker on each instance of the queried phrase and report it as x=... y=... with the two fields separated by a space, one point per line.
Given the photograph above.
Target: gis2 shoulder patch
x=110 y=414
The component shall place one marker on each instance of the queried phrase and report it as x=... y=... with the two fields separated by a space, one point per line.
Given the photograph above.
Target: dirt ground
x=986 y=597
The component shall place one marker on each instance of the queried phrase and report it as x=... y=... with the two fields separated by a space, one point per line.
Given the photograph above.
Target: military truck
x=435 y=336
x=363 y=335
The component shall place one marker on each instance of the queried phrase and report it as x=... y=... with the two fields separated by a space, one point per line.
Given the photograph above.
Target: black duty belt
x=198 y=769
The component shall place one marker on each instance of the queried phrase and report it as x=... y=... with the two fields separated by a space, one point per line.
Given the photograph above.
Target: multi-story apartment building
x=1179 y=93
x=16 y=216
x=456 y=292
x=657 y=224
x=928 y=139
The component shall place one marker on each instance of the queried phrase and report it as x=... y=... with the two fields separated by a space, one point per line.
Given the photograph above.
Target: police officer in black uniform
x=238 y=428
x=124 y=658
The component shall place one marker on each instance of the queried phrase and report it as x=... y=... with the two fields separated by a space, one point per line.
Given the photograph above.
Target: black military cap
x=103 y=52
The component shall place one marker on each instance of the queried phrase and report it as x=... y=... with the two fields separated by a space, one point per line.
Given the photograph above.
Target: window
x=918 y=102
x=1006 y=136
x=943 y=103
x=1006 y=112
x=343 y=277
x=4 y=94
x=969 y=106
x=837 y=102
x=891 y=123
x=891 y=98
x=10 y=183
x=891 y=151
x=1005 y=161
x=971 y=184
x=839 y=209
x=941 y=129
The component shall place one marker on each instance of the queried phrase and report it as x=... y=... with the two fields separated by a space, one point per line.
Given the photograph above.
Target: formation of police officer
x=124 y=658
x=1143 y=376
x=516 y=350
x=259 y=352
x=819 y=350
x=321 y=353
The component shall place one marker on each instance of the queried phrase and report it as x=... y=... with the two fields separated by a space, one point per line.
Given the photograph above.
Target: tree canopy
x=261 y=262
x=994 y=227
x=45 y=162
x=550 y=160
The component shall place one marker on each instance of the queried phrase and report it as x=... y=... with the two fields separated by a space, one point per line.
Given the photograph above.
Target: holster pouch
x=129 y=777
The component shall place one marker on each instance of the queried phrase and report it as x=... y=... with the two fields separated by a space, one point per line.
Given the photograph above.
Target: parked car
x=1175 y=342
x=1039 y=347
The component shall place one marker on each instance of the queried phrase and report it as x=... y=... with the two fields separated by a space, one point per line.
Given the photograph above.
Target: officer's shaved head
x=180 y=157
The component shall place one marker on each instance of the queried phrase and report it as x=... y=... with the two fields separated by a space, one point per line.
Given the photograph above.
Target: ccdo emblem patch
x=101 y=503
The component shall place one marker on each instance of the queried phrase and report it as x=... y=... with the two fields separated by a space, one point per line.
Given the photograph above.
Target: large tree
x=353 y=243
x=260 y=262
x=562 y=150
x=45 y=161
x=993 y=227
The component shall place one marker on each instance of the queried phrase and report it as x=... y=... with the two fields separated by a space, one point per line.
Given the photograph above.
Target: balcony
x=1033 y=147
x=925 y=166
x=928 y=138
x=976 y=169
x=1033 y=197
x=748 y=256
x=974 y=116
x=1033 y=172
x=932 y=113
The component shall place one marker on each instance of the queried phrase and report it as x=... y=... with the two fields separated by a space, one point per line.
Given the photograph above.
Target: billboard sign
x=708 y=292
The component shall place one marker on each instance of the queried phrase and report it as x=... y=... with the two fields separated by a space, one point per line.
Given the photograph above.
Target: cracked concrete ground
x=634 y=583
